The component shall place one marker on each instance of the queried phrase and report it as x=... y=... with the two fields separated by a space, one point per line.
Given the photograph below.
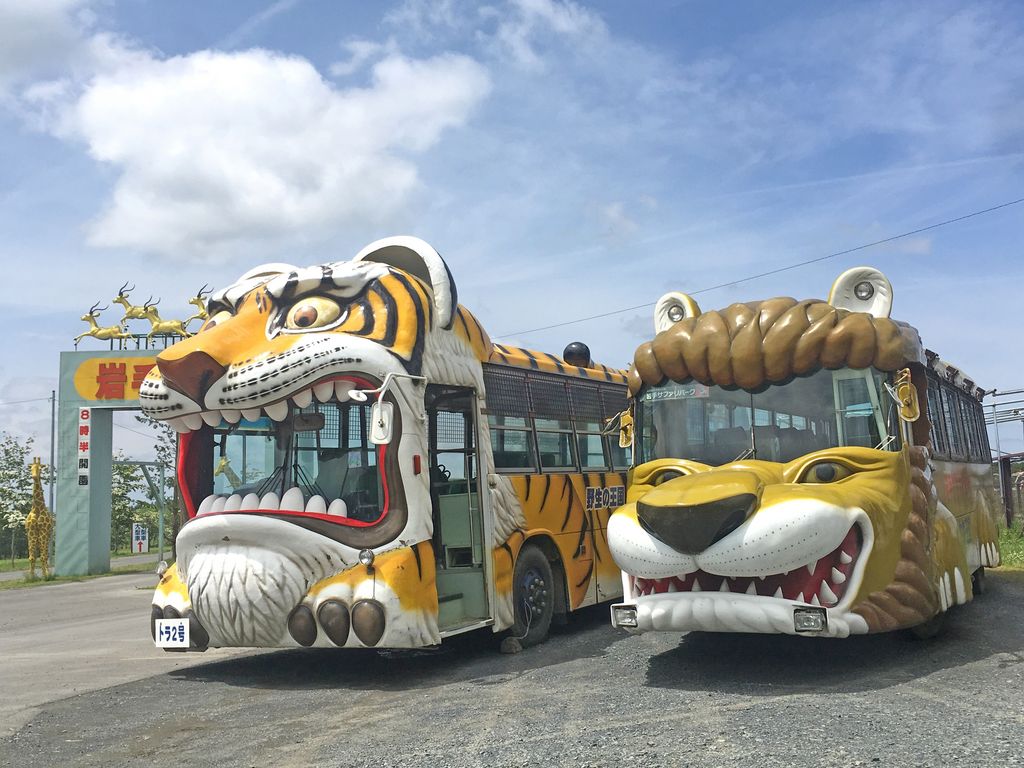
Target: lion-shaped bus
x=800 y=467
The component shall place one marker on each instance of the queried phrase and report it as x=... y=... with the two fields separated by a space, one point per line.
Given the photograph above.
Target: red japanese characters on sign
x=112 y=378
x=111 y=381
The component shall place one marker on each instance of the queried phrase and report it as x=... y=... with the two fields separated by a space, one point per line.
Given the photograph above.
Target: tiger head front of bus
x=773 y=487
x=307 y=526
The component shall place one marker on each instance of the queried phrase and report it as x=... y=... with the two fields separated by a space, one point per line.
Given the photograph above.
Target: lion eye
x=825 y=472
x=217 y=319
x=669 y=474
x=312 y=312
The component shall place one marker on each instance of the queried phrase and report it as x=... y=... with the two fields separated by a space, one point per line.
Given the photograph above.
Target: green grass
x=38 y=581
x=1011 y=547
x=21 y=563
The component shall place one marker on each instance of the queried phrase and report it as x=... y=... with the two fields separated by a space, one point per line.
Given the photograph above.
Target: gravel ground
x=589 y=697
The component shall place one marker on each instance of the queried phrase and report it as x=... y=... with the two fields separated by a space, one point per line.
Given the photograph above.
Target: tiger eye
x=305 y=316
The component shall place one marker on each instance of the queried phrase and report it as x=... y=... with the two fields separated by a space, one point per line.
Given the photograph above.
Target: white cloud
x=218 y=150
x=533 y=23
x=360 y=53
x=39 y=38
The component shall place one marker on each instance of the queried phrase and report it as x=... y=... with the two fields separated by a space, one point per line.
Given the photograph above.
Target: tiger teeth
x=341 y=391
x=292 y=501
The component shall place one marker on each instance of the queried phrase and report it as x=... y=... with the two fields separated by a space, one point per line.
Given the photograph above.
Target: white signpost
x=140 y=538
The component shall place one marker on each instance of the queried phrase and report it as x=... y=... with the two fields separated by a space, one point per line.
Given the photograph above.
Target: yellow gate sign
x=112 y=378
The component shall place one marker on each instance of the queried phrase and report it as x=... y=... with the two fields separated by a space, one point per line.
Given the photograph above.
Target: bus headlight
x=366 y=557
x=624 y=616
x=810 y=619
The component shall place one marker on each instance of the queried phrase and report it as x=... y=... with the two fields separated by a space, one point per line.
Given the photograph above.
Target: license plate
x=172 y=633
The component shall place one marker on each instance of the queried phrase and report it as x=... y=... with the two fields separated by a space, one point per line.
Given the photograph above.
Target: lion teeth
x=231 y=416
x=845 y=558
x=324 y=391
x=696 y=586
x=205 y=506
x=251 y=501
x=811 y=567
x=815 y=600
x=827 y=594
x=250 y=414
x=270 y=501
x=751 y=589
x=778 y=593
x=338 y=507
x=838 y=577
x=725 y=586
x=277 y=411
x=303 y=398
x=218 y=504
x=316 y=505
x=672 y=586
x=234 y=503
x=800 y=598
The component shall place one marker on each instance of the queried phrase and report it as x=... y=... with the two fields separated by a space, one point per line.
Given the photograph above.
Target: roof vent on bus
x=577 y=353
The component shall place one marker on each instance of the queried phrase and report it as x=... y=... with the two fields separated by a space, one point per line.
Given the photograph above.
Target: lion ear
x=671 y=308
x=418 y=258
x=862 y=289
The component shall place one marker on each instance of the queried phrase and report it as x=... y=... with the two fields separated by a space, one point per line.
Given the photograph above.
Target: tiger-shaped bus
x=800 y=467
x=363 y=467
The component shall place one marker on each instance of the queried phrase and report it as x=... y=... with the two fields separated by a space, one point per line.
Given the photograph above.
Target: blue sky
x=567 y=159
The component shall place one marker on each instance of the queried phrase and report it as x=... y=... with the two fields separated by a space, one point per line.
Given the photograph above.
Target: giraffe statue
x=38 y=525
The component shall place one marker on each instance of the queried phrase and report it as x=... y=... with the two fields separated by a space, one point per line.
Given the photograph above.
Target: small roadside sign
x=140 y=538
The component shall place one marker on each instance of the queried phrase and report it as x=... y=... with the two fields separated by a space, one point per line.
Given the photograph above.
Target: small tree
x=126 y=488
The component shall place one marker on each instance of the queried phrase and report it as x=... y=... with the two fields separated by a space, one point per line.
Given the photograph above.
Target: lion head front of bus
x=274 y=399
x=774 y=488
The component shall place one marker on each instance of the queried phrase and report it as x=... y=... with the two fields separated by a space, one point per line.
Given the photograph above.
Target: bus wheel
x=978 y=581
x=930 y=628
x=532 y=596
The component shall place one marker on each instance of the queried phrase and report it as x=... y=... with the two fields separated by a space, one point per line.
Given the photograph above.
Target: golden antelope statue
x=103 y=333
x=199 y=302
x=169 y=327
x=131 y=311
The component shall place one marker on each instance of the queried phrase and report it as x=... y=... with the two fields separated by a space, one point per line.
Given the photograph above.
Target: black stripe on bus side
x=419 y=565
x=547 y=487
x=391 y=310
x=586 y=576
x=555 y=360
x=368 y=318
x=422 y=312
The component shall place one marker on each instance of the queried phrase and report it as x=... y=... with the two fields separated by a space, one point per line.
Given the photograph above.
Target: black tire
x=929 y=629
x=978 y=581
x=533 y=596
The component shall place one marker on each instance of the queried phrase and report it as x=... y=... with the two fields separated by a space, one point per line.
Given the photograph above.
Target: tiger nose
x=692 y=528
x=191 y=375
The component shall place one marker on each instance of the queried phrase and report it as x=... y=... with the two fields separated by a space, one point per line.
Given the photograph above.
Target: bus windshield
x=716 y=425
x=323 y=450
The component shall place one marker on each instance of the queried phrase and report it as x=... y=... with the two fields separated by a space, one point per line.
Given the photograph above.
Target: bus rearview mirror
x=625 y=429
x=906 y=393
x=381 y=422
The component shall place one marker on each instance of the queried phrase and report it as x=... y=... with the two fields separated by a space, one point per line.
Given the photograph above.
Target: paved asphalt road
x=83 y=686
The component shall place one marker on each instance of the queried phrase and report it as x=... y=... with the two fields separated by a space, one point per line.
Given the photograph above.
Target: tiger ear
x=418 y=258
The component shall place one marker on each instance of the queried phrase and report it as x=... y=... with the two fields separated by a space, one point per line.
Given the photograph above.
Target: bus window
x=780 y=423
x=512 y=443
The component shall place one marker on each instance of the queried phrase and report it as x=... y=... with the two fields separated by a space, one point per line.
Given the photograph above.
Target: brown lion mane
x=749 y=345
x=910 y=598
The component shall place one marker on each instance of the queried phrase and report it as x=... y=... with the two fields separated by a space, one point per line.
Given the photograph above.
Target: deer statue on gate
x=96 y=331
x=131 y=311
x=38 y=525
x=199 y=302
x=159 y=326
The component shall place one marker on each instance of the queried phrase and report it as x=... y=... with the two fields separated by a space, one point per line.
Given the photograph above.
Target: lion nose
x=692 y=528
x=191 y=375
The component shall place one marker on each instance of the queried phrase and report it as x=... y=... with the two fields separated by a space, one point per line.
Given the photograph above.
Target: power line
x=30 y=400
x=776 y=271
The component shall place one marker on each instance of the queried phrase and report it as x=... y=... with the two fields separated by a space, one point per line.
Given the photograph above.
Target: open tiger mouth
x=307 y=456
x=823 y=582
